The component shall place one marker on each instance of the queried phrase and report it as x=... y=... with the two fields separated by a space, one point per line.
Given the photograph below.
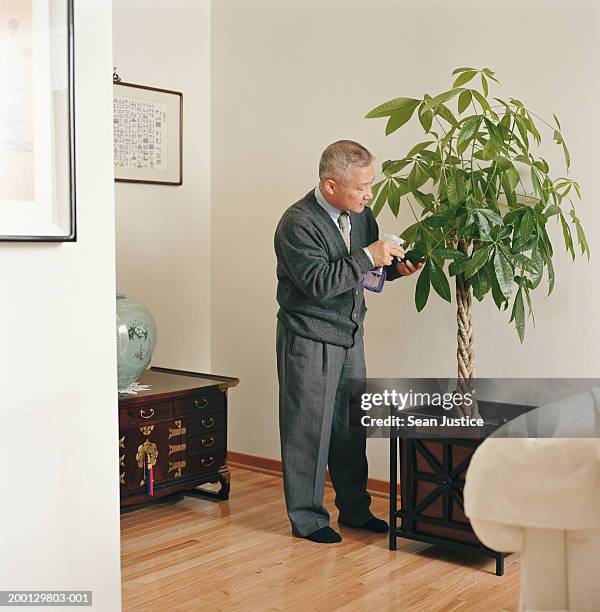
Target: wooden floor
x=199 y=554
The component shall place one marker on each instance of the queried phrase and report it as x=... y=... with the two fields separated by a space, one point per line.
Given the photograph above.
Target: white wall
x=59 y=519
x=305 y=74
x=163 y=232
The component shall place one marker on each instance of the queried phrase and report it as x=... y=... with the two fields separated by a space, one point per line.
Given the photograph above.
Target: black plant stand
x=432 y=494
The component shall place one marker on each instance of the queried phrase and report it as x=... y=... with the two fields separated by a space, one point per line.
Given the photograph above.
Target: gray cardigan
x=319 y=288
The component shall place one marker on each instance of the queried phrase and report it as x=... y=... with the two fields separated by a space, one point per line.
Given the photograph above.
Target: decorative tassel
x=149 y=481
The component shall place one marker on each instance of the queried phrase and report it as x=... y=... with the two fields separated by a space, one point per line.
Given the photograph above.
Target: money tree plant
x=481 y=197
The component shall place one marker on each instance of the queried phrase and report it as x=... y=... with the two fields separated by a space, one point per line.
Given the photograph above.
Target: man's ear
x=330 y=186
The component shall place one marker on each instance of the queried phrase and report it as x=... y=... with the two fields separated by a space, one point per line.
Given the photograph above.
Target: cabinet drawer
x=205 y=462
x=207 y=442
x=199 y=425
x=191 y=406
x=146 y=413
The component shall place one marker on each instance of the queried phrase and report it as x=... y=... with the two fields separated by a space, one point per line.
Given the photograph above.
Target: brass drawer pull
x=208 y=442
x=207 y=462
x=146 y=416
x=208 y=423
x=201 y=404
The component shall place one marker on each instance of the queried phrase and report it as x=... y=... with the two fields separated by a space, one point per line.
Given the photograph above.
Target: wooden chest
x=180 y=427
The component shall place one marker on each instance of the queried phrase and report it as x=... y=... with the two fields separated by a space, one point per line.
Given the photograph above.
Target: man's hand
x=406 y=268
x=383 y=251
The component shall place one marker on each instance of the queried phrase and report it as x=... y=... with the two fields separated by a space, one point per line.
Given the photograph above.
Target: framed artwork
x=37 y=135
x=148 y=134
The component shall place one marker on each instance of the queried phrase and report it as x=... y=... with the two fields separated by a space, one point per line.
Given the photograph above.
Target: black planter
x=432 y=478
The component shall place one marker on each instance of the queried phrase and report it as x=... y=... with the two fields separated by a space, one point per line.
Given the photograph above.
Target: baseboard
x=375 y=486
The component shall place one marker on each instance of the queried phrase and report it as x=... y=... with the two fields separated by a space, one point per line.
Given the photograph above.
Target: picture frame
x=148 y=134
x=37 y=122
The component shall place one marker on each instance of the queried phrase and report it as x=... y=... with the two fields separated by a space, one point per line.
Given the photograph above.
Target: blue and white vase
x=136 y=340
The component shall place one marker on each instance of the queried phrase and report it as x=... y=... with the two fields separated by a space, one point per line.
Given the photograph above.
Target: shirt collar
x=332 y=211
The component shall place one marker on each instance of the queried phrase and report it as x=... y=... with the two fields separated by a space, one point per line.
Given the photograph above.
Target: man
x=325 y=243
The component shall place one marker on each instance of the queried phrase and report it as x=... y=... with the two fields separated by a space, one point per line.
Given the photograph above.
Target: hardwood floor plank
x=203 y=554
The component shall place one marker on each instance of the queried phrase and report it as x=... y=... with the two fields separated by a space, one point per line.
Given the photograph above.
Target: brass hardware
x=208 y=423
x=122 y=460
x=202 y=404
x=177 y=466
x=122 y=477
x=207 y=462
x=147 y=429
x=147 y=454
x=208 y=442
x=122 y=442
x=146 y=416
x=176 y=448
x=177 y=432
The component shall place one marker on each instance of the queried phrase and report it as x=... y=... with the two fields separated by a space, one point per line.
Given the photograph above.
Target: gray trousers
x=314 y=429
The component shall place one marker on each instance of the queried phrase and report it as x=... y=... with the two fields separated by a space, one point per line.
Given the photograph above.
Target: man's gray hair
x=338 y=157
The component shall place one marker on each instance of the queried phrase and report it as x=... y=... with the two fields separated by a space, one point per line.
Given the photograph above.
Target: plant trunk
x=465 y=353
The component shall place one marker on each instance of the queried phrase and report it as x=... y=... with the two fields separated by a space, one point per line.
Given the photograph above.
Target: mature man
x=325 y=243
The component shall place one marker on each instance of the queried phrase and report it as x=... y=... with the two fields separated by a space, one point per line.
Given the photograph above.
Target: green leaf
x=448 y=253
x=411 y=234
x=464 y=100
x=419 y=147
x=559 y=140
x=455 y=189
x=441 y=98
x=458 y=265
x=538 y=269
x=457 y=70
x=557 y=121
x=477 y=260
x=391 y=166
x=484 y=85
x=581 y=239
x=380 y=199
x=490 y=74
x=403 y=188
x=518 y=314
x=425 y=118
x=504 y=273
x=512 y=175
x=422 y=289
x=397 y=104
x=469 y=129
x=424 y=199
x=394 y=197
x=550 y=268
x=444 y=112
x=398 y=118
x=417 y=177
x=552 y=210
x=464 y=77
x=439 y=281
x=567 y=236
x=491 y=216
x=527 y=223
x=482 y=224
x=480 y=283
x=485 y=105
x=375 y=190
x=537 y=187
x=499 y=299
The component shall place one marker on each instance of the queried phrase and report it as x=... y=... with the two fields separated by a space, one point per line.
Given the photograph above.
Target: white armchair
x=541 y=499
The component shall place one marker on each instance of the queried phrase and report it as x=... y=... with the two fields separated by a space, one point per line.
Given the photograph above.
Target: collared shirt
x=335 y=213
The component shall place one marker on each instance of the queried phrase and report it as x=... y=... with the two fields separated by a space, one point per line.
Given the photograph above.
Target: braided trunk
x=465 y=352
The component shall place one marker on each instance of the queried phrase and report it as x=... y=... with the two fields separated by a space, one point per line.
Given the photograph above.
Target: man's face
x=353 y=193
